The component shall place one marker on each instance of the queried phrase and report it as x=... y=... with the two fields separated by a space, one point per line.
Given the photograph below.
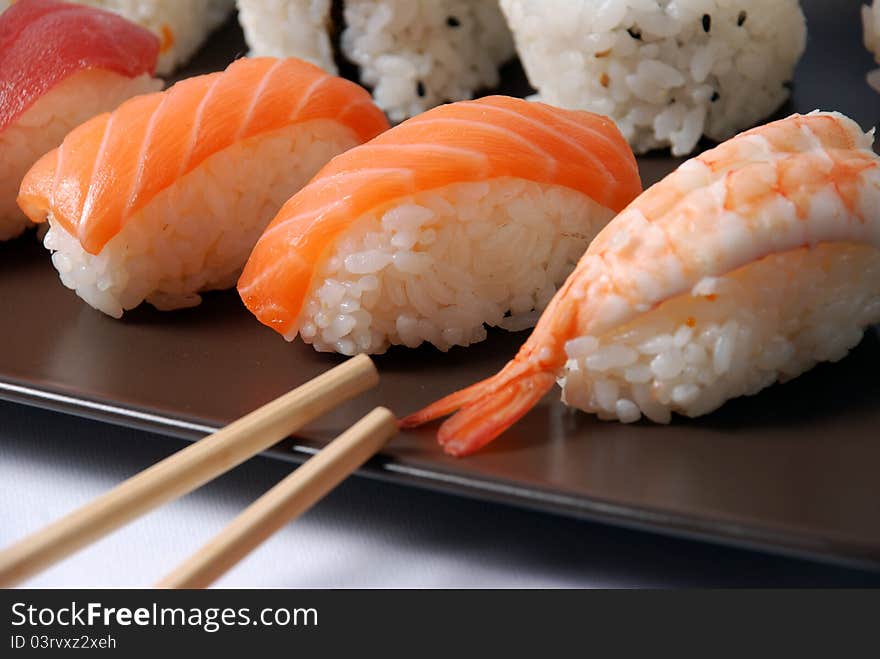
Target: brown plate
x=793 y=469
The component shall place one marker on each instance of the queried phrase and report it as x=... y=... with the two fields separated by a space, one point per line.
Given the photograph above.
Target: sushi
x=60 y=64
x=746 y=266
x=181 y=27
x=164 y=197
x=416 y=54
x=468 y=215
x=413 y=54
x=666 y=71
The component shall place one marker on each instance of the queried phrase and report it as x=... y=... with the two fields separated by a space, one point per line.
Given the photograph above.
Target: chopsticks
x=187 y=469
x=286 y=501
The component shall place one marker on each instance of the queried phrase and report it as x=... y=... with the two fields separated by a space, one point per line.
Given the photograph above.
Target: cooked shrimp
x=744 y=267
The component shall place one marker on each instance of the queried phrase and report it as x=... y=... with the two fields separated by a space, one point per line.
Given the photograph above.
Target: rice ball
x=666 y=71
x=416 y=54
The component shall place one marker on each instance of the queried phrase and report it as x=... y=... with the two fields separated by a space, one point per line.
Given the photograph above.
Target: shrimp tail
x=446 y=405
x=485 y=409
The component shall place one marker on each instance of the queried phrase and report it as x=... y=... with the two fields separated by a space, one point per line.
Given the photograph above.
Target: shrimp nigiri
x=746 y=266
x=467 y=215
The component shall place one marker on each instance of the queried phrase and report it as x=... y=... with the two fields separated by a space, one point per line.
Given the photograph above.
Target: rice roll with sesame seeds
x=416 y=54
x=180 y=25
x=470 y=214
x=666 y=71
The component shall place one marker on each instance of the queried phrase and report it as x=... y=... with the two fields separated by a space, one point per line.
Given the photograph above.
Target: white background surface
x=365 y=534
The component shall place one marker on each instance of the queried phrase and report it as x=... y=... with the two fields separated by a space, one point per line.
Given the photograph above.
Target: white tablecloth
x=365 y=534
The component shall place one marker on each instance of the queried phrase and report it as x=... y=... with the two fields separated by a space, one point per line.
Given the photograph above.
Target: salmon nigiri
x=746 y=266
x=166 y=196
x=60 y=64
x=470 y=214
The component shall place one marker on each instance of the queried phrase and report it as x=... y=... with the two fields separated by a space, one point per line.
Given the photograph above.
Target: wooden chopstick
x=286 y=501
x=187 y=469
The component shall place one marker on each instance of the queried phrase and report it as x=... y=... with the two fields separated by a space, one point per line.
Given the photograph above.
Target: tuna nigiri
x=746 y=266
x=165 y=197
x=469 y=214
x=180 y=25
x=60 y=64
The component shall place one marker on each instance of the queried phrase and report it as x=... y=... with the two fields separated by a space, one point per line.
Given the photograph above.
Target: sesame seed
x=707 y=22
x=452 y=21
x=420 y=89
x=741 y=18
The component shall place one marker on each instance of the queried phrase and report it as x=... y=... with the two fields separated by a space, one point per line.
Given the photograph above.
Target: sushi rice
x=730 y=336
x=43 y=126
x=666 y=71
x=219 y=210
x=288 y=28
x=413 y=54
x=438 y=265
